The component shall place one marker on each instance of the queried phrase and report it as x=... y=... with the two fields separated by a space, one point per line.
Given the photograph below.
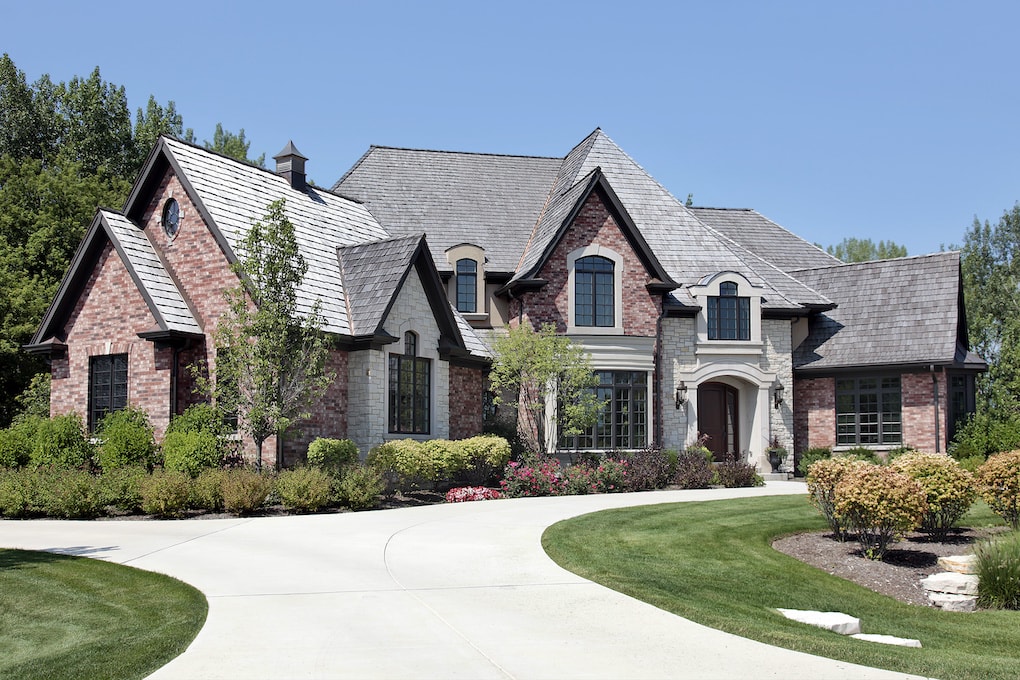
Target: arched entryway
x=718 y=418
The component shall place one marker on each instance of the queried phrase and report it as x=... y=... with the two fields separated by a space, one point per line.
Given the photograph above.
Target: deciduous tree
x=865 y=250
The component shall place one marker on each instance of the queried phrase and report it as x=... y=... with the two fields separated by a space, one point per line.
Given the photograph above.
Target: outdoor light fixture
x=777 y=394
x=681 y=395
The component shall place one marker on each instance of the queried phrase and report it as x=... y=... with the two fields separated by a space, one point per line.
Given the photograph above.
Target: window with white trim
x=623 y=423
x=594 y=292
x=467 y=286
x=729 y=315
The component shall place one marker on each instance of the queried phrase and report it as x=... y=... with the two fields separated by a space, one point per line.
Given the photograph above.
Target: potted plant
x=776 y=453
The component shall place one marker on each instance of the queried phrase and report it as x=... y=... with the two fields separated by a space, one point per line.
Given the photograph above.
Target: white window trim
x=469 y=252
x=617 y=260
x=710 y=288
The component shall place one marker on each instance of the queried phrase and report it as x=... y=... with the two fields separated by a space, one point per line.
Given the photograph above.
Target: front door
x=717 y=419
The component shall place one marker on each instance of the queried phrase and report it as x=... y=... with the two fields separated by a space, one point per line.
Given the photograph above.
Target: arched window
x=729 y=316
x=410 y=389
x=594 y=295
x=467 y=286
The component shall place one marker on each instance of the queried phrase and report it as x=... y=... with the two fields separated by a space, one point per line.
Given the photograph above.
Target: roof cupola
x=290 y=163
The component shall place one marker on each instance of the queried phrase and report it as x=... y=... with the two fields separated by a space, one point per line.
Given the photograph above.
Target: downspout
x=935 y=401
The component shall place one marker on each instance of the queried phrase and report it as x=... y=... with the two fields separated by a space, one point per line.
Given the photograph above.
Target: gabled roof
x=232 y=195
x=905 y=311
x=765 y=238
x=488 y=200
x=161 y=295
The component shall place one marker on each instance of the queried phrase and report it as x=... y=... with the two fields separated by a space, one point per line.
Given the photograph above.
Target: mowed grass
x=71 y=617
x=713 y=563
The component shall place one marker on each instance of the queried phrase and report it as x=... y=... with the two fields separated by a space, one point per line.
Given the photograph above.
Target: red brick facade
x=467 y=387
x=814 y=413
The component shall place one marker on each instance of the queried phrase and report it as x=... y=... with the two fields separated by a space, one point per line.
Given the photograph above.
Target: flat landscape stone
x=951 y=582
x=887 y=640
x=952 y=602
x=961 y=564
x=837 y=622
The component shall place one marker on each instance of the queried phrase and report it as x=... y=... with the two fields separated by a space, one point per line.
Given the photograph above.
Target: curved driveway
x=445 y=591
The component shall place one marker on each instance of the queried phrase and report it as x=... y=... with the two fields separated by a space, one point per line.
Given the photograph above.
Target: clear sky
x=882 y=120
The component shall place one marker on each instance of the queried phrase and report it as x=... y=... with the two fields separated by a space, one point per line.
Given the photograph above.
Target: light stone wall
x=366 y=381
x=679 y=337
x=778 y=358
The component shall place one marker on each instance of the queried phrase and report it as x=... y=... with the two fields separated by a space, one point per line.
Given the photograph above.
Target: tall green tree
x=549 y=375
x=270 y=362
x=97 y=132
x=233 y=145
x=865 y=250
x=150 y=124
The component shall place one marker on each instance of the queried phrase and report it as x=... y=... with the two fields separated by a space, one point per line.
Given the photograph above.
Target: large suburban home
x=703 y=324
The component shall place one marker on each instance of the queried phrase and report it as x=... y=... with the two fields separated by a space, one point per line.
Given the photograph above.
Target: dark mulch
x=898 y=575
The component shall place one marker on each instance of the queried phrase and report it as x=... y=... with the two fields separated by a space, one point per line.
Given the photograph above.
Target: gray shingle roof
x=488 y=200
x=167 y=303
x=765 y=238
x=901 y=311
x=236 y=194
x=371 y=273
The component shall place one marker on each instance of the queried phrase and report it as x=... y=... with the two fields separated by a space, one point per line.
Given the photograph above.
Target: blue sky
x=881 y=120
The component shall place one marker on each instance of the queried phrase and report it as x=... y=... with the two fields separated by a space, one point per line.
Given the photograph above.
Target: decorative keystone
x=837 y=622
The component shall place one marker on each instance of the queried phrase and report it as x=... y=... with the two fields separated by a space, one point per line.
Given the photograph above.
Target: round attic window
x=171 y=217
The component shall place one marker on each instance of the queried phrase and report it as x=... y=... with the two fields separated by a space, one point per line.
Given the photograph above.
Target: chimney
x=291 y=165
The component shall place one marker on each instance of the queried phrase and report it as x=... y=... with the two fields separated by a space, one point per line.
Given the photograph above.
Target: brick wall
x=593 y=225
x=328 y=414
x=467 y=385
x=918 y=410
x=815 y=416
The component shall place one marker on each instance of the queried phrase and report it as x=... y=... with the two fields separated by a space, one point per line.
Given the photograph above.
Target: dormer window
x=594 y=292
x=467 y=286
x=729 y=315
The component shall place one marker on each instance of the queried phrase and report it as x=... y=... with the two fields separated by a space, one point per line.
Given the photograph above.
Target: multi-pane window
x=729 y=316
x=107 y=386
x=868 y=411
x=961 y=401
x=467 y=286
x=623 y=423
x=410 y=389
x=594 y=294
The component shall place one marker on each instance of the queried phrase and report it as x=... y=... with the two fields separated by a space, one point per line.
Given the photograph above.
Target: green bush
x=822 y=478
x=949 y=489
x=998 y=572
x=421 y=464
x=165 y=493
x=579 y=480
x=863 y=453
x=245 y=491
x=71 y=494
x=122 y=487
x=125 y=438
x=60 y=442
x=16 y=442
x=987 y=433
x=191 y=451
x=200 y=418
x=486 y=456
x=810 y=456
x=999 y=483
x=880 y=504
x=305 y=488
x=207 y=489
x=332 y=455
x=20 y=493
x=972 y=463
x=360 y=487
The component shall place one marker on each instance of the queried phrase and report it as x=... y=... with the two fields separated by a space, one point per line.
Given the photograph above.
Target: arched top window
x=467 y=286
x=594 y=292
x=410 y=344
x=729 y=316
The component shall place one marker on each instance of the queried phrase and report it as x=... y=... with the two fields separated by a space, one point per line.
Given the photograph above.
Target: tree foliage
x=233 y=145
x=271 y=360
x=865 y=250
x=549 y=374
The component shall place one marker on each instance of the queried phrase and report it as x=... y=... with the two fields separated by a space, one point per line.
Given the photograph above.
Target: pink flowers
x=463 y=494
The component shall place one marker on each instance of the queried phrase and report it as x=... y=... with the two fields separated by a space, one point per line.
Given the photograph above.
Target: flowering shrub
x=165 y=493
x=611 y=476
x=879 y=503
x=822 y=477
x=463 y=494
x=543 y=478
x=949 y=489
x=999 y=482
x=245 y=491
x=579 y=480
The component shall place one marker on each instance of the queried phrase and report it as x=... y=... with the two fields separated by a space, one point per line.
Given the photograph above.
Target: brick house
x=699 y=321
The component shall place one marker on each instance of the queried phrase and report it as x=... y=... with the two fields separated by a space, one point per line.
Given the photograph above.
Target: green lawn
x=71 y=617
x=713 y=563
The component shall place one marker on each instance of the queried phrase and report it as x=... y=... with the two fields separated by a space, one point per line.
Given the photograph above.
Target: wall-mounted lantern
x=777 y=394
x=681 y=395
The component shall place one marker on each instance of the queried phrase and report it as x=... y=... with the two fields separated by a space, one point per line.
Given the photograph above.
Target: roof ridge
x=887 y=260
x=459 y=153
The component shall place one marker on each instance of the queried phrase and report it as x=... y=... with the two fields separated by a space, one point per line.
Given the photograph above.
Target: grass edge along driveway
x=713 y=563
x=73 y=617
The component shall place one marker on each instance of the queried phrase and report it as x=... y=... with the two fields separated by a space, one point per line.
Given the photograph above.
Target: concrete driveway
x=446 y=591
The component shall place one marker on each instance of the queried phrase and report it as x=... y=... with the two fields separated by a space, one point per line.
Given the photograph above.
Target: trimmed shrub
x=822 y=478
x=880 y=504
x=425 y=464
x=810 y=456
x=734 y=474
x=200 y=417
x=360 y=487
x=191 y=451
x=305 y=488
x=949 y=489
x=863 y=453
x=648 y=469
x=17 y=441
x=71 y=494
x=245 y=491
x=60 y=442
x=486 y=456
x=20 y=493
x=165 y=493
x=579 y=480
x=207 y=489
x=125 y=439
x=122 y=487
x=464 y=494
x=543 y=478
x=694 y=469
x=332 y=455
x=998 y=572
x=999 y=483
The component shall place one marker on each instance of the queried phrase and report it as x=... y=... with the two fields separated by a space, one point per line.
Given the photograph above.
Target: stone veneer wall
x=678 y=340
x=777 y=358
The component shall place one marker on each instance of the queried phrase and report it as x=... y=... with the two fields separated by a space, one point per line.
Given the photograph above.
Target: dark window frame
x=623 y=423
x=467 y=286
x=729 y=314
x=108 y=386
x=869 y=411
x=594 y=292
x=410 y=390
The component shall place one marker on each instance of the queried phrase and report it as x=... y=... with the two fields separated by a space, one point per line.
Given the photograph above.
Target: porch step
x=777 y=476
